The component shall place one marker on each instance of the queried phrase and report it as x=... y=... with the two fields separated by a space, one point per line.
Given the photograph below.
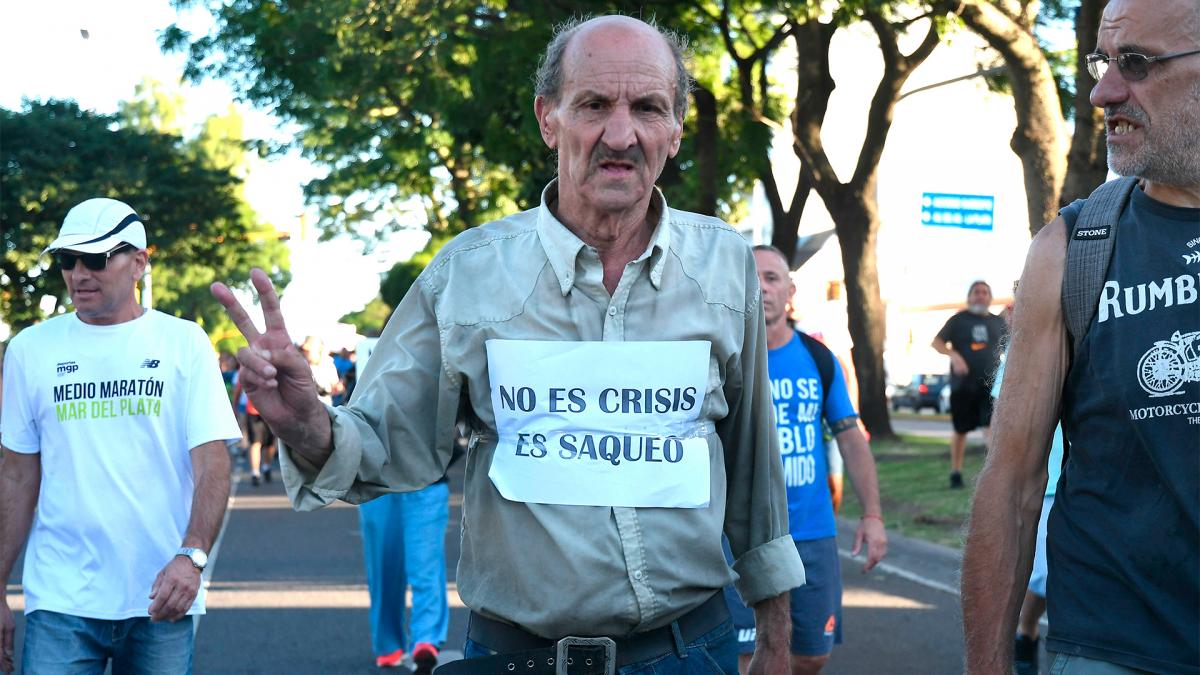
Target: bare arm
x=773 y=619
x=20 y=481
x=176 y=586
x=1008 y=499
x=957 y=363
x=278 y=378
x=860 y=466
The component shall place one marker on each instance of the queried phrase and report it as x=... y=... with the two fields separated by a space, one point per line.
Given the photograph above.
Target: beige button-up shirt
x=573 y=570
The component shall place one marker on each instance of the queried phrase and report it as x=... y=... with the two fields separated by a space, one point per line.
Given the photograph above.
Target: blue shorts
x=816 y=606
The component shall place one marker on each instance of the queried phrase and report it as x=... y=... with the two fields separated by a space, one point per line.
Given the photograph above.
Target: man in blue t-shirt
x=801 y=404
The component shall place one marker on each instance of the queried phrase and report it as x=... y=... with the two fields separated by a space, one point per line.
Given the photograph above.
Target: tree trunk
x=1039 y=139
x=856 y=219
x=1087 y=163
x=786 y=222
x=853 y=205
x=706 y=149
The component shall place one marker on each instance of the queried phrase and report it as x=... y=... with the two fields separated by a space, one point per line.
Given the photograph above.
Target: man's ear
x=545 y=111
x=141 y=259
x=676 y=137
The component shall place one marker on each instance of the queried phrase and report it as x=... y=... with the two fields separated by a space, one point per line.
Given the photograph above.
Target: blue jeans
x=404 y=544
x=714 y=653
x=61 y=643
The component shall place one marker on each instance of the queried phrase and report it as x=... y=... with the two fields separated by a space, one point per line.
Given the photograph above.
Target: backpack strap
x=824 y=360
x=1089 y=251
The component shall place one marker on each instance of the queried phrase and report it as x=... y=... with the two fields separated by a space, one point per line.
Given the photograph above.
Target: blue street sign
x=973 y=212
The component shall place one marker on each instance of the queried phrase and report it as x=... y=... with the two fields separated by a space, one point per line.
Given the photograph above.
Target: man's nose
x=1111 y=89
x=618 y=129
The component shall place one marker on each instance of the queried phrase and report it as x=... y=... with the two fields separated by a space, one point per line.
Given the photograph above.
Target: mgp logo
x=66 y=368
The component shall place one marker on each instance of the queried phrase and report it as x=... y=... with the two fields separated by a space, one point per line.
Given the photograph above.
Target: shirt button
x=612 y=311
x=637 y=575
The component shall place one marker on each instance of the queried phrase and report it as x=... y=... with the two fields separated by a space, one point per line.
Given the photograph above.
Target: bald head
x=561 y=53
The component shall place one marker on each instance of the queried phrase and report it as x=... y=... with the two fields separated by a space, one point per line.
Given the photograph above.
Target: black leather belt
x=523 y=653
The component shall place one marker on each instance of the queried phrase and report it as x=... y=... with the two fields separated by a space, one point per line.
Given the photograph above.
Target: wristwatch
x=198 y=557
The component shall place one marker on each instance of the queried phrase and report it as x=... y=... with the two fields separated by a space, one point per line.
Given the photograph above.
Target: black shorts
x=258 y=431
x=970 y=406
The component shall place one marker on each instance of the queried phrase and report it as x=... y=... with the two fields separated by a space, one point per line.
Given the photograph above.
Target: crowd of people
x=641 y=418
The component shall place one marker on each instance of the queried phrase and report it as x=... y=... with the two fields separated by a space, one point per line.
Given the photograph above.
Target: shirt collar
x=562 y=246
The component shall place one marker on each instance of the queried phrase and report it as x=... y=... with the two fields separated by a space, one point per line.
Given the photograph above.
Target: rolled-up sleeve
x=397 y=432
x=756 y=515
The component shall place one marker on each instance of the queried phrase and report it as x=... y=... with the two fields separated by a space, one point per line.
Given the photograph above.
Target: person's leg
x=145 y=647
x=63 y=644
x=1025 y=647
x=958 y=447
x=268 y=457
x=255 y=427
x=816 y=607
x=383 y=553
x=964 y=416
x=425 y=514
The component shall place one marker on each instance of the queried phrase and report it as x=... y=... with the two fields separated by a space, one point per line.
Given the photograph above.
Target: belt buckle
x=564 y=645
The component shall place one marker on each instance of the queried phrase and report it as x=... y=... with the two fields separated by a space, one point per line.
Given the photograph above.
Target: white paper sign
x=600 y=423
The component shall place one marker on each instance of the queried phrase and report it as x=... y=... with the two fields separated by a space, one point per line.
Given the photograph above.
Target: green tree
x=371 y=319
x=1057 y=169
x=56 y=155
x=434 y=101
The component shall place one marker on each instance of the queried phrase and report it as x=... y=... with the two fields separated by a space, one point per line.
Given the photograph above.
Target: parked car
x=925 y=391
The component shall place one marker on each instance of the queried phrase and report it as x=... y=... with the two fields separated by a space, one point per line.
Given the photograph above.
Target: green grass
x=914 y=489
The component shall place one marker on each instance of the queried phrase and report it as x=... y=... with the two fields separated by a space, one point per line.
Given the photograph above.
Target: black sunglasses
x=95 y=262
x=1133 y=66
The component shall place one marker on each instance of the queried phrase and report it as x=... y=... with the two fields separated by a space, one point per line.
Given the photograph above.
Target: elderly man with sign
x=607 y=354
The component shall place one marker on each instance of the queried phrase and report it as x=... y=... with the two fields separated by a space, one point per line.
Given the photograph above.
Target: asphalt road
x=287 y=594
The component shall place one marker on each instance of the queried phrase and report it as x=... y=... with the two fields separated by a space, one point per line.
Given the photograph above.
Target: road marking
x=295 y=595
x=206 y=576
x=906 y=574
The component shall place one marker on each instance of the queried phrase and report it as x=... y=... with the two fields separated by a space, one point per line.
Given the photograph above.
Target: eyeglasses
x=1133 y=66
x=95 y=262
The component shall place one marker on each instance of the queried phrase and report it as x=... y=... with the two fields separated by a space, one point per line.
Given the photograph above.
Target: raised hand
x=275 y=375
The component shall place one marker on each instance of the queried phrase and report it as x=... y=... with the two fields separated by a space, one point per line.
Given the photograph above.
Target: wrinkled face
x=1153 y=124
x=613 y=125
x=106 y=297
x=776 y=284
x=980 y=296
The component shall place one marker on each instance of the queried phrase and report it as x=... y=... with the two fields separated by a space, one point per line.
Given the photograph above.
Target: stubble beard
x=1170 y=154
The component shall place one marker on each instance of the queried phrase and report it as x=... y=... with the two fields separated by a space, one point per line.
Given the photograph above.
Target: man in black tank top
x=1124 y=533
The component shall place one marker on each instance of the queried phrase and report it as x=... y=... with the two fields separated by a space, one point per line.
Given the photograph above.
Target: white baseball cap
x=99 y=225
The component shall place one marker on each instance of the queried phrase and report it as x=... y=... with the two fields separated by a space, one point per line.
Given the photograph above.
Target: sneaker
x=255 y=480
x=390 y=660
x=956 y=481
x=425 y=658
x=267 y=474
x=1025 y=655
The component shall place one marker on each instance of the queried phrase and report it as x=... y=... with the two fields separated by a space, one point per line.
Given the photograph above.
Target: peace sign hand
x=276 y=376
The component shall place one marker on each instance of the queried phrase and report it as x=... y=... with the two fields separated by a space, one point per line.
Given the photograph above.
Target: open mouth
x=1121 y=126
x=616 y=168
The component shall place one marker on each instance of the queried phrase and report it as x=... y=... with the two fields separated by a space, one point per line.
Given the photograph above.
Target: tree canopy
x=56 y=155
x=433 y=102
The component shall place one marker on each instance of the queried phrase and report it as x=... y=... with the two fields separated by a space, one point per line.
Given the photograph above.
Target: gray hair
x=548 y=80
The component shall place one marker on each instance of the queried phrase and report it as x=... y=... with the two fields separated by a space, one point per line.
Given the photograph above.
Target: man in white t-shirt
x=113 y=429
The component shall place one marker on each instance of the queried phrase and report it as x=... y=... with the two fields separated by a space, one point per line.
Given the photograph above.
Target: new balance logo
x=66 y=368
x=150 y=363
